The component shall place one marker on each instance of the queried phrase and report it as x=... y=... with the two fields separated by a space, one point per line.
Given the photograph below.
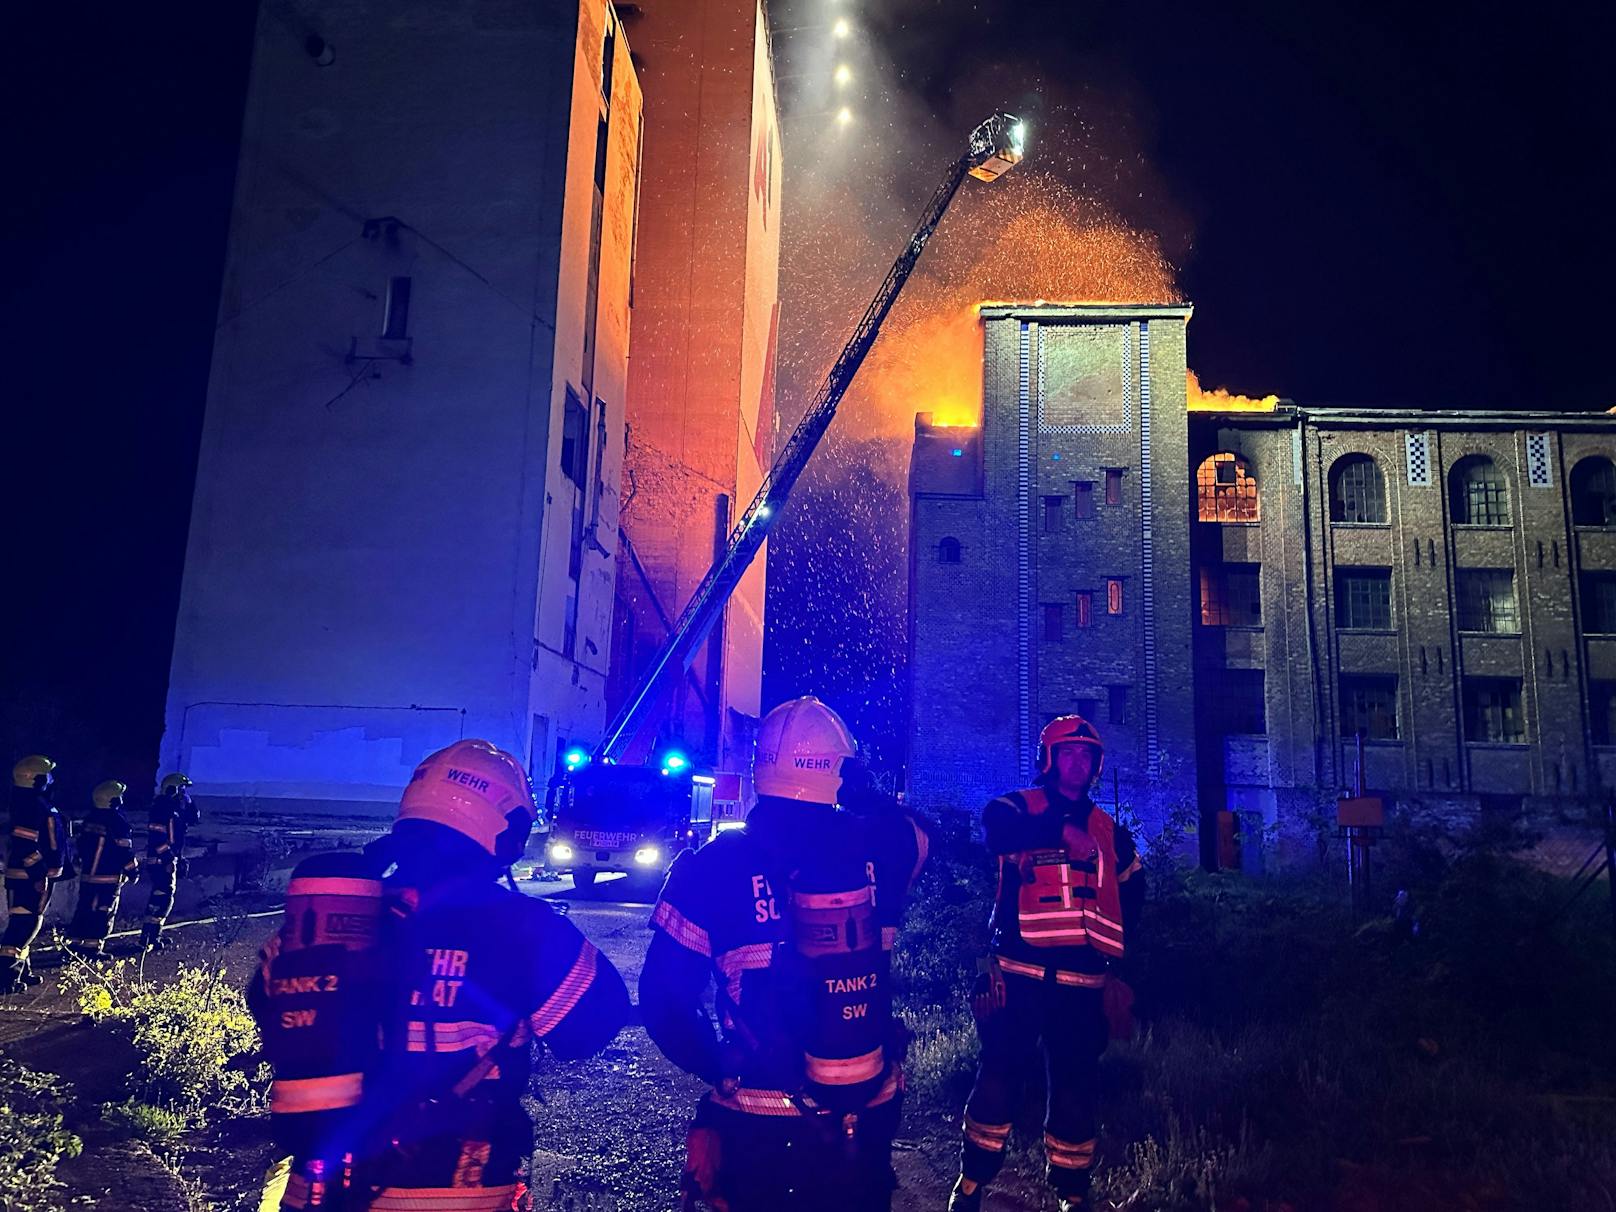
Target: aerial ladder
x=993 y=149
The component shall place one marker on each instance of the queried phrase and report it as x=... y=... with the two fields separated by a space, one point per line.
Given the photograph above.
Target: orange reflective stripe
x=750 y=958
x=1084 y=980
x=845 y=1071
x=1069 y=1155
x=292 y=1096
x=991 y=1137
x=681 y=929
x=319 y=885
x=443 y=1199
x=572 y=987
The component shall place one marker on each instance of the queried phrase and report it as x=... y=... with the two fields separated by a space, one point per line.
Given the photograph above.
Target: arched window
x=1593 y=492
x=1225 y=490
x=948 y=551
x=1357 y=490
x=1477 y=492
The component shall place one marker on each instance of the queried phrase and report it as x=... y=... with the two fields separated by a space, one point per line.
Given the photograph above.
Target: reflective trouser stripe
x=313 y=885
x=316 y=1093
x=444 y=1199
x=991 y=1137
x=1084 y=980
x=1068 y=1155
x=31 y=835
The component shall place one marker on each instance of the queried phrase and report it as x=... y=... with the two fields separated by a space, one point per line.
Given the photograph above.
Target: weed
x=33 y=1141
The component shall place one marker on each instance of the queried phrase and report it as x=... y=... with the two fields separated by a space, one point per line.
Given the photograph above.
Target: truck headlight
x=560 y=852
x=645 y=856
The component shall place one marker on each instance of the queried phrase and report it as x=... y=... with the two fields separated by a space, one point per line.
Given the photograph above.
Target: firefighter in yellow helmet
x=792 y=919
x=35 y=853
x=1068 y=891
x=173 y=815
x=461 y=975
x=107 y=862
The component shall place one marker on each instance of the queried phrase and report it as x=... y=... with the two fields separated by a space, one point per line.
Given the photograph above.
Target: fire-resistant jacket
x=474 y=970
x=721 y=918
x=1052 y=910
x=106 y=847
x=172 y=815
x=36 y=849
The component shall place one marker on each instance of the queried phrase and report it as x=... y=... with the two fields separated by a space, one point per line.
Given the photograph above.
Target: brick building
x=1443 y=582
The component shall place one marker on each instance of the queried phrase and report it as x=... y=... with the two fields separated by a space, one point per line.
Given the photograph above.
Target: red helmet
x=476 y=789
x=1068 y=730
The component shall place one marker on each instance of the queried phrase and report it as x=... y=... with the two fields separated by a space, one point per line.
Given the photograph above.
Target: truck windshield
x=624 y=799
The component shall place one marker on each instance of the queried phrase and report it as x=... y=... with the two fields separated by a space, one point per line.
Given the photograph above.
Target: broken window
x=1357 y=491
x=1225 y=490
x=1487 y=600
x=1477 y=493
x=1369 y=705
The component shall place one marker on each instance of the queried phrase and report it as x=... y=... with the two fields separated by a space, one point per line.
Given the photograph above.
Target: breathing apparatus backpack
x=849 y=1037
x=321 y=1005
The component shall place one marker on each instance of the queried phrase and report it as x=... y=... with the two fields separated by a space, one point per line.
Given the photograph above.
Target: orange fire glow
x=1036 y=241
x=1221 y=399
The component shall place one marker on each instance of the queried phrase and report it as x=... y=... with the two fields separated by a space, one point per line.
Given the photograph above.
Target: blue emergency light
x=576 y=758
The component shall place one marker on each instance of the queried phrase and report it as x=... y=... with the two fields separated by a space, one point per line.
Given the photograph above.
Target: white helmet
x=800 y=750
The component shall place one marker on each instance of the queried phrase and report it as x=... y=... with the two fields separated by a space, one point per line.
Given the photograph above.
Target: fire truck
x=635 y=818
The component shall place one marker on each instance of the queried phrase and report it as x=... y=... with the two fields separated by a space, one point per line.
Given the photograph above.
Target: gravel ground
x=609 y=1130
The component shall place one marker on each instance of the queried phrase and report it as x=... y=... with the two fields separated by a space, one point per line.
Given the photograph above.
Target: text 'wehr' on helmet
x=800 y=750
x=478 y=790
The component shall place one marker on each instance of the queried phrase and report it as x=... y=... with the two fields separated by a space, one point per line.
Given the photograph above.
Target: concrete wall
x=375 y=557
x=701 y=390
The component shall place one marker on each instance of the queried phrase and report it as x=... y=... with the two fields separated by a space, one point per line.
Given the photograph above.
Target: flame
x=1221 y=399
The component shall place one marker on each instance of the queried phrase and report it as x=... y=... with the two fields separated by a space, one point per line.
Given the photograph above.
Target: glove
x=699 y=1182
x=988 y=993
x=1117 y=1002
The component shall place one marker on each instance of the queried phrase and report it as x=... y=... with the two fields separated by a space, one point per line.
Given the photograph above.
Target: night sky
x=1368 y=204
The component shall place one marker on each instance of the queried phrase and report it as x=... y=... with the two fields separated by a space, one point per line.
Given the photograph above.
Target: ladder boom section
x=995 y=146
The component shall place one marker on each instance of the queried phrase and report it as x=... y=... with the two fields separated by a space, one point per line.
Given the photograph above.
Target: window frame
x=950 y=550
x=1345 y=573
x=1474 y=710
x=1059 y=618
x=1362 y=684
x=1582 y=471
x=1471 y=607
x=1210 y=579
x=1590 y=583
x=1229 y=499
x=1374 y=493
x=1462 y=487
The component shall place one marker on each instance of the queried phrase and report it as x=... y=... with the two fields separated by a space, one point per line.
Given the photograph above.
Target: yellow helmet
x=108 y=793
x=31 y=769
x=172 y=782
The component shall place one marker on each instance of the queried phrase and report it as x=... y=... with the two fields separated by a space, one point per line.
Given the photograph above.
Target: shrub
x=193 y=1032
x=143 y=1121
x=33 y=1141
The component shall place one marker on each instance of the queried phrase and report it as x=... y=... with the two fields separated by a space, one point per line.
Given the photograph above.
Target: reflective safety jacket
x=36 y=848
x=106 y=847
x=1053 y=910
x=172 y=816
x=724 y=917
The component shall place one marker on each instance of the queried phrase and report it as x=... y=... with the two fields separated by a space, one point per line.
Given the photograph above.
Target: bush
x=33 y=1141
x=193 y=1032
x=143 y=1121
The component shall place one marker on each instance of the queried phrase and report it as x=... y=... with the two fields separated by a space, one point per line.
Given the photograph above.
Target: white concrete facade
x=387 y=550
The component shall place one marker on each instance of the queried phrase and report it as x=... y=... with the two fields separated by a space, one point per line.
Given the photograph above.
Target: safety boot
x=959 y=1201
x=1075 y=1203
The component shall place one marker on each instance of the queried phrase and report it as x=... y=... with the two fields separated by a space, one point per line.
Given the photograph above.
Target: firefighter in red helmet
x=467 y=976
x=1068 y=890
x=792 y=919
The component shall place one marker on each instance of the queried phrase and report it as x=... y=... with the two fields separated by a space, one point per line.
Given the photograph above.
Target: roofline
x=1087 y=311
x=1408 y=418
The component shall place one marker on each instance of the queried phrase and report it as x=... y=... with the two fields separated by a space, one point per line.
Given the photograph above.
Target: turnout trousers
x=463 y=1156
x=26 y=902
x=165 y=878
x=93 y=917
x=794 y=1163
x=1067 y=1024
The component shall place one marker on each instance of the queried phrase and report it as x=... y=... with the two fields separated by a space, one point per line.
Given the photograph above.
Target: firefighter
x=466 y=974
x=173 y=814
x=1068 y=889
x=109 y=862
x=793 y=918
x=35 y=856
